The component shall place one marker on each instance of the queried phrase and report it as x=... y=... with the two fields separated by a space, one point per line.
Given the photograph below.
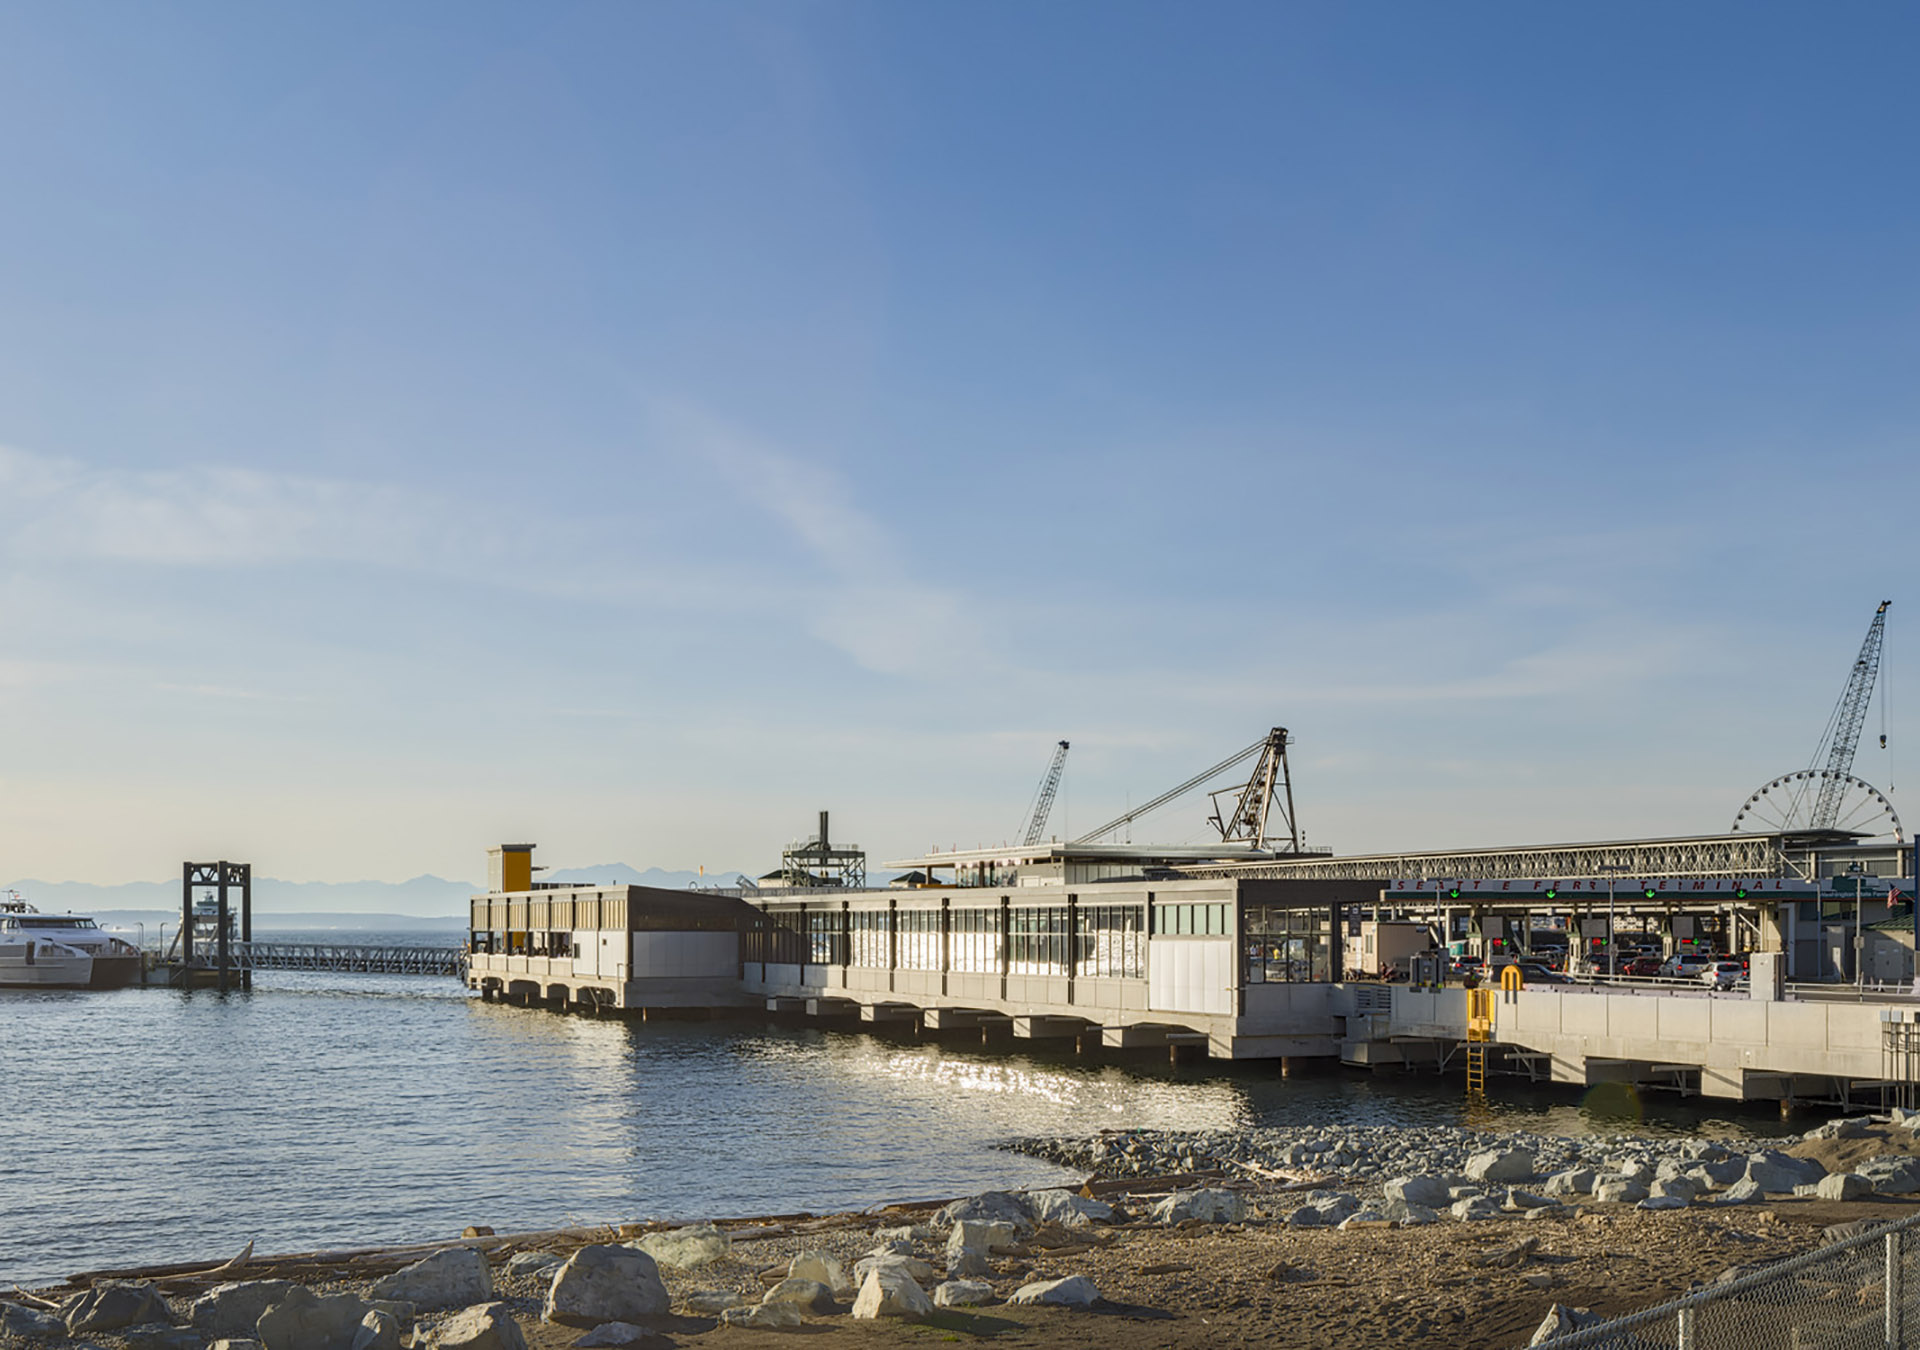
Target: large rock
x=1215 y=1204
x=1307 y=1216
x=962 y=1294
x=1667 y=1188
x=1432 y=1192
x=1067 y=1209
x=1778 y=1173
x=605 y=1284
x=28 y=1323
x=1618 y=1190
x=1718 y=1171
x=1842 y=1127
x=1501 y=1166
x=1407 y=1213
x=489 y=1326
x=1573 y=1181
x=1076 y=1291
x=806 y=1295
x=1338 y=1208
x=824 y=1267
x=1475 y=1208
x=379 y=1330
x=161 y=1336
x=455 y=1278
x=912 y=1266
x=304 y=1320
x=685 y=1248
x=1742 y=1192
x=108 y=1307
x=888 y=1291
x=534 y=1263
x=1843 y=1186
x=1892 y=1175
x=988 y=1207
x=967 y=1263
x=234 y=1309
x=982 y=1236
x=1657 y=1202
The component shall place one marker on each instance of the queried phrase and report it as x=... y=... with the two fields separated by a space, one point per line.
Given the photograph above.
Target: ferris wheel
x=1786 y=806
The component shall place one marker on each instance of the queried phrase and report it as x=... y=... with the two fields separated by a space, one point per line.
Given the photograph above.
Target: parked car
x=1724 y=974
x=1534 y=972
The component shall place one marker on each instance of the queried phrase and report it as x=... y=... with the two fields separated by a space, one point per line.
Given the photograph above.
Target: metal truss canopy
x=1736 y=855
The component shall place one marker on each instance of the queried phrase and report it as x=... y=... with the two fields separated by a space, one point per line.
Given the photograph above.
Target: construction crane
x=1253 y=802
x=1825 y=796
x=1843 y=728
x=1036 y=826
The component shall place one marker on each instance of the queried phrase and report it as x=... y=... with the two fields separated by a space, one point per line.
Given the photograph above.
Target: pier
x=1120 y=947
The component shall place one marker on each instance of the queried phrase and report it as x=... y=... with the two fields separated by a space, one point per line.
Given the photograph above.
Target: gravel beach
x=1338 y=1235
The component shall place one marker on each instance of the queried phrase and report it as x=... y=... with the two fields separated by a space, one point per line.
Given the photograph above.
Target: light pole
x=1611 y=869
x=1859 y=875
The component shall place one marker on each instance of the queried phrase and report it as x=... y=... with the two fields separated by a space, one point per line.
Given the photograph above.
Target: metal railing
x=352 y=958
x=1862 y=1293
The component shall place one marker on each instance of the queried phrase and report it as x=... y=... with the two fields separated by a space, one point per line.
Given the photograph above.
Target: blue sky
x=636 y=427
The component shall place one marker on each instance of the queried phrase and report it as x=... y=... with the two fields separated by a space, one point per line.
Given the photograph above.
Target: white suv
x=1723 y=974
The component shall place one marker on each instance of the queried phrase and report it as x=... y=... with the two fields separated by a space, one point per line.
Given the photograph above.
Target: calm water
x=320 y=1110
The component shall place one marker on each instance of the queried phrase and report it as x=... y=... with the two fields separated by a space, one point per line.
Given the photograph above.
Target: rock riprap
x=113 y=1305
x=455 y=1278
x=888 y=1291
x=487 y=1326
x=605 y=1284
x=304 y=1320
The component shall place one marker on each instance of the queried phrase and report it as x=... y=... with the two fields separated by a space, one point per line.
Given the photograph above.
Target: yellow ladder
x=1479 y=1033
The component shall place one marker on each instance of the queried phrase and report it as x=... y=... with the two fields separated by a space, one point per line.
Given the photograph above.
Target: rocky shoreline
x=1383 y=1235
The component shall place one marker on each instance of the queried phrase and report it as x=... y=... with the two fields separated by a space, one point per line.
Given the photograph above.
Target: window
x=826 y=943
x=1111 y=943
x=1039 y=941
x=975 y=941
x=1287 y=946
x=870 y=934
x=919 y=939
x=1192 y=921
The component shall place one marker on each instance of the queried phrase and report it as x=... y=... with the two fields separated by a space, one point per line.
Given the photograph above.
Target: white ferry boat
x=28 y=939
x=36 y=963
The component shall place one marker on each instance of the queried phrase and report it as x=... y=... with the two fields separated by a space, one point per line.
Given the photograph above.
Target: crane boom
x=1043 y=799
x=1168 y=796
x=1848 y=717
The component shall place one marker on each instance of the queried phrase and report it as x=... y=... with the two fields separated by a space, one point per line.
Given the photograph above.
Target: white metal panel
x=1192 y=975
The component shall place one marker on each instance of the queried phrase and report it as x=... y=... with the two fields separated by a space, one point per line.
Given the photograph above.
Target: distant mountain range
x=424 y=901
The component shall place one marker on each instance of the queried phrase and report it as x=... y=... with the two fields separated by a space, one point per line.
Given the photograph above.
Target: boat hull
x=43 y=971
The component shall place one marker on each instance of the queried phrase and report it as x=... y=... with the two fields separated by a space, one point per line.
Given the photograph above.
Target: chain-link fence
x=1860 y=1293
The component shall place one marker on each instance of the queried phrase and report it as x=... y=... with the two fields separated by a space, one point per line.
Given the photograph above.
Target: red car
x=1644 y=966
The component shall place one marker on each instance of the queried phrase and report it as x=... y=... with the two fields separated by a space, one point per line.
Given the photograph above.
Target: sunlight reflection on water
x=339 y=1110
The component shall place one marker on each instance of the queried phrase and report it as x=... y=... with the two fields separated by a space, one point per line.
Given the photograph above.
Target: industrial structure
x=1256 y=946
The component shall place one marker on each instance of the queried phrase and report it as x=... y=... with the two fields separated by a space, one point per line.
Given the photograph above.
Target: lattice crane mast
x=1849 y=715
x=1043 y=798
x=1256 y=798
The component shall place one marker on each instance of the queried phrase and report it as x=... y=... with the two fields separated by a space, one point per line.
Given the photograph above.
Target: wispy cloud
x=219 y=691
x=864 y=599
